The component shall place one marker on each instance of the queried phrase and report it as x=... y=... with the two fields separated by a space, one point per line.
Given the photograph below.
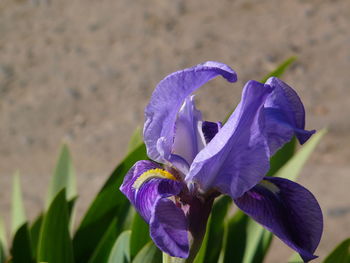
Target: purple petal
x=237 y=158
x=188 y=138
x=148 y=190
x=168 y=229
x=288 y=210
x=167 y=100
x=284 y=115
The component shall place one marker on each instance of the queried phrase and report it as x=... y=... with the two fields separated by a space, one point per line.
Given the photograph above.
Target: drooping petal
x=288 y=210
x=284 y=116
x=237 y=158
x=167 y=100
x=149 y=187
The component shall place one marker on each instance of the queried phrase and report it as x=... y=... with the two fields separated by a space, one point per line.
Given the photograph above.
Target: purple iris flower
x=194 y=161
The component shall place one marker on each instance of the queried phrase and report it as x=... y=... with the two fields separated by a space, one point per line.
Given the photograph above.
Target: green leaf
x=295 y=258
x=282 y=157
x=213 y=239
x=3 y=243
x=63 y=178
x=108 y=204
x=258 y=242
x=139 y=235
x=35 y=233
x=105 y=245
x=148 y=254
x=18 y=217
x=121 y=249
x=293 y=167
x=55 y=245
x=341 y=254
x=136 y=140
x=281 y=68
x=245 y=240
x=21 y=250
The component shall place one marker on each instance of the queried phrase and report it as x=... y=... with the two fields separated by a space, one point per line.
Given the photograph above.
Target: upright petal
x=188 y=136
x=167 y=100
x=284 y=115
x=288 y=210
x=149 y=187
x=237 y=158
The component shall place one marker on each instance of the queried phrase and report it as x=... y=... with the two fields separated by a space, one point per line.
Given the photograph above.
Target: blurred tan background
x=82 y=71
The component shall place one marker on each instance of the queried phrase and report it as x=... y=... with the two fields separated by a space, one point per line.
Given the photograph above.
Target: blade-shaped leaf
x=139 y=236
x=282 y=157
x=149 y=253
x=108 y=204
x=280 y=69
x=341 y=254
x=21 y=250
x=107 y=241
x=295 y=258
x=35 y=232
x=55 y=245
x=245 y=240
x=3 y=243
x=293 y=167
x=18 y=217
x=136 y=139
x=212 y=243
x=63 y=178
x=120 y=252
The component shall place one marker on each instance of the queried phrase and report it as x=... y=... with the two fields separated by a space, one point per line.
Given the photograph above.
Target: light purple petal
x=167 y=100
x=288 y=210
x=237 y=158
x=284 y=115
x=188 y=138
x=150 y=199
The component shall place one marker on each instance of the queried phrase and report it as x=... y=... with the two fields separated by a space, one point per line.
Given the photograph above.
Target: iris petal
x=284 y=116
x=288 y=210
x=237 y=158
x=166 y=101
x=148 y=188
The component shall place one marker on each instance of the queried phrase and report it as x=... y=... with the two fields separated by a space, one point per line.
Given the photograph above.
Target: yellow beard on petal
x=150 y=174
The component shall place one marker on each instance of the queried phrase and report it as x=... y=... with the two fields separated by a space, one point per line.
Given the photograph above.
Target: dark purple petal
x=148 y=188
x=168 y=228
x=288 y=210
x=237 y=158
x=284 y=115
x=210 y=129
x=167 y=100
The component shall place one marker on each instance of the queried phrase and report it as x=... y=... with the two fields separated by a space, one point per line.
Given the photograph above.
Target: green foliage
x=18 y=216
x=120 y=252
x=341 y=254
x=108 y=204
x=22 y=247
x=149 y=253
x=64 y=177
x=280 y=69
x=55 y=244
x=139 y=235
x=3 y=243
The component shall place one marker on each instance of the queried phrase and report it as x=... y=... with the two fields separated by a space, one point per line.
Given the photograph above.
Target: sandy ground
x=83 y=70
